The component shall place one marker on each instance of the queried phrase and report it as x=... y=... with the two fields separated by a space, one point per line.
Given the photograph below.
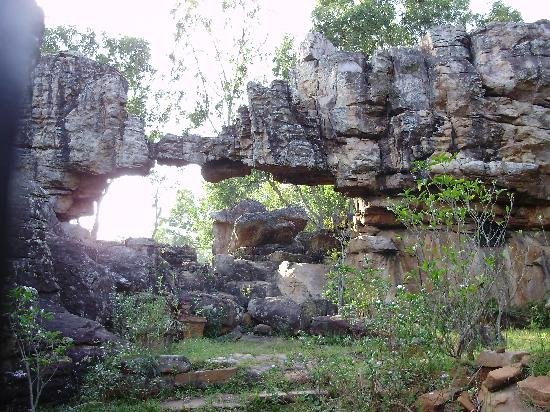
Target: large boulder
x=227 y=268
x=302 y=281
x=224 y=220
x=80 y=133
x=222 y=311
x=281 y=313
x=261 y=228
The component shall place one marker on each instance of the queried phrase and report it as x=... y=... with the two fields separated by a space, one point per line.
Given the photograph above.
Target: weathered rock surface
x=173 y=364
x=330 y=326
x=359 y=122
x=492 y=359
x=536 y=389
x=222 y=311
x=302 y=281
x=501 y=377
x=283 y=314
x=79 y=133
x=224 y=221
x=274 y=227
x=505 y=400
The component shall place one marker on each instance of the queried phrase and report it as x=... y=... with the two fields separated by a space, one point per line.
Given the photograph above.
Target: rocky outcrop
x=360 y=122
x=274 y=227
x=355 y=121
x=224 y=221
x=79 y=133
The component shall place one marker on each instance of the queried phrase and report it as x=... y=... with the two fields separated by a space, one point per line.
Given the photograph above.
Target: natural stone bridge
x=347 y=119
x=350 y=120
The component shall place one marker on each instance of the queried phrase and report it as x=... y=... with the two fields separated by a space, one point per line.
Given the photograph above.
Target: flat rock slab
x=231 y=401
x=536 y=389
x=237 y=359
x=256 y=365
x=173 y=364
x=501 y=377
x=221 y=401
x=205 y=377
x=465 y=402
x=433 y=401
x=504 y=400
x=288 y=397
x=492 y=359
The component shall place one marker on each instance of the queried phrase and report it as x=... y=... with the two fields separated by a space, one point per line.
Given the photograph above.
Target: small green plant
x=41 y=350
x=355 y=291
x=127 y=372
x=144 y=318
x=458 y=229
x=214 y=319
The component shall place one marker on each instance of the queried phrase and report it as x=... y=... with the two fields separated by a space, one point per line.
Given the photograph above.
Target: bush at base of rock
x=221 y=310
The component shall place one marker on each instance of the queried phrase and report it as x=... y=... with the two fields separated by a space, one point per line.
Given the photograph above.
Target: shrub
x=459 y=272
x=41 y=350
x=127 y=372
x=355 y=291
x=144 y=318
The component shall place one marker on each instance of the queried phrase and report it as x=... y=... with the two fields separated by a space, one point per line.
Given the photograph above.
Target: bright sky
x=127 y=210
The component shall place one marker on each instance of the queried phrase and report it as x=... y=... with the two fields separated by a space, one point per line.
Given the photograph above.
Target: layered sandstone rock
x=78 y=133
x=361 y=121
x=355 y=121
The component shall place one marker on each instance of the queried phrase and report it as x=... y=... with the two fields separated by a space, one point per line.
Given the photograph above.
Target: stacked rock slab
x=272 y=268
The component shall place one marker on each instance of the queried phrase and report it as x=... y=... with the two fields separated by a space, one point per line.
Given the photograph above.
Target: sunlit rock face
x=79 y=133
x=361 y=121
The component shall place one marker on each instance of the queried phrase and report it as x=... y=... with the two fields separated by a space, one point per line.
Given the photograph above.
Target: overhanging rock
x=360 y=122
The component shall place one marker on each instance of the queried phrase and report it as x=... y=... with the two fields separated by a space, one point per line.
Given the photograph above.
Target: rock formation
x=347 y=119
x=359 y=122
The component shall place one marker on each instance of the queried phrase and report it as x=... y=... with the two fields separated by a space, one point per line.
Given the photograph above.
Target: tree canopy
x=364 y=25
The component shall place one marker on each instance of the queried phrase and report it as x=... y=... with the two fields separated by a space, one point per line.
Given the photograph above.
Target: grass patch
x=359 y=375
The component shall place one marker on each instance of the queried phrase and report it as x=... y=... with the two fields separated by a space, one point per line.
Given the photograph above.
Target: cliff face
x=346 y=119
x=79 y=133
x=359 y=122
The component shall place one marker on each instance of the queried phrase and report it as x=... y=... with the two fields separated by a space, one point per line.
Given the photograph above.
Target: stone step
x=232 y=401
x=205 y=377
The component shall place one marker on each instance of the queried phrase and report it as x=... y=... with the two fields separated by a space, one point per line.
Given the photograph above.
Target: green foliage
x=127 y=372
x=41 y=350
x=532 y=315
x=285 y=58
x=220 y=67
x=189 y=223
x=144 y=318
x=459 y=273
x=539 y=362
x=356 y=292
x=131 y=56
x=365 y=25
x=500 y=12
x=214 y=319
